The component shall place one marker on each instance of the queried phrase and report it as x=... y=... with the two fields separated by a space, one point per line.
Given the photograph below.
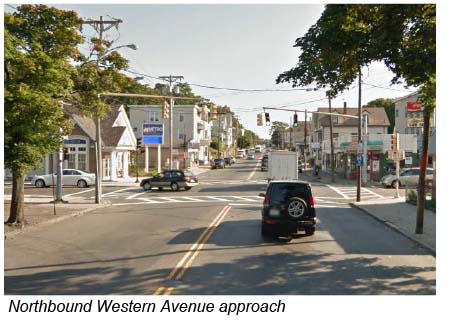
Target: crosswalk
x=136 y=199
x=230 y=182
x=351 y=192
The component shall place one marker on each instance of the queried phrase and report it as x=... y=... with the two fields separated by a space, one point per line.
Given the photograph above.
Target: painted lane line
x=243 y=204
x=243 y=198
x=77 y=193
x=194 y=246
x=372 y=192
x=158 y=291
x=135 y=195
x=169 y=199
x=201 y=245
x=254 y=170
x=168 y=291
x=218 y=198
x=193 y=199
x=338 y=191
x=112 y=192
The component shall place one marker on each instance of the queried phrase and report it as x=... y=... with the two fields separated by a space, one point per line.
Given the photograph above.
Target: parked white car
x=71 y=177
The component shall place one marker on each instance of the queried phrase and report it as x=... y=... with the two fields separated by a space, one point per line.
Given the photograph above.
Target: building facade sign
x=152 y=133
x=413 y=107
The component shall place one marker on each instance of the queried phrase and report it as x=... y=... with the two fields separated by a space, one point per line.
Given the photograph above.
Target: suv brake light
x=267 y=199
x=312 y=201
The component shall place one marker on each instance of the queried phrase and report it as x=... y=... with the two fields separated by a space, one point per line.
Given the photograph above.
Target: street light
x=98 y=148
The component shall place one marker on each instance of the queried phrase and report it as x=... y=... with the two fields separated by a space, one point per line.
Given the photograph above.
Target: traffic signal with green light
x=296 y=120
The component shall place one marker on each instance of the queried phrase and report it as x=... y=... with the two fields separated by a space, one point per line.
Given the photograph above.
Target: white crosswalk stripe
x=187 y=199
x=351 y=192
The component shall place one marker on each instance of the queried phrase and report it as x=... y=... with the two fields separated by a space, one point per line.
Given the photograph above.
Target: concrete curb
x=55 y=220
x=396 y=228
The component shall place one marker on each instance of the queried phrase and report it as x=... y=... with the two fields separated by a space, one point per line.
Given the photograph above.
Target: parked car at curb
x=218 y=163
x=288 y=207
x=70 y=177
x=407 y=177
x=174 y=179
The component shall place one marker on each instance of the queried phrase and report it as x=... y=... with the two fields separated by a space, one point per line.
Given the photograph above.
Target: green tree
x=389 y=107
x=39 y=43
x=244 y=142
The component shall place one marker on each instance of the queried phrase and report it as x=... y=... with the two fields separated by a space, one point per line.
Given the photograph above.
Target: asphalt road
x=207 y=241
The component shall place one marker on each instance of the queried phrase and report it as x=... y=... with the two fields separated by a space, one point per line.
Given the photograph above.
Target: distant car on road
x=240 y=154
x=229 y=160
x=287 y=208
x=70 y=177
x=174 y=179
x=408 y=177
x=218 y=163
x=250 y=156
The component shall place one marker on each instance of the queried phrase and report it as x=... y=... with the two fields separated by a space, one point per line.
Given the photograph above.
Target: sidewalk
x=395 y=213
x=401 y=216
x=39 y=210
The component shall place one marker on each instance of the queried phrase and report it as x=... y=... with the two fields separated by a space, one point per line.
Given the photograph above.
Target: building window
x=181 y=117
x=335 y=120
x=154 y=116
x=181 y=134
x=396 y=113
x=335 y=135
x=78 y=156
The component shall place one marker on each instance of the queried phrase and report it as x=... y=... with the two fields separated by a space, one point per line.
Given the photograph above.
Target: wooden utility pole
x=100 y=26
x=171 y=79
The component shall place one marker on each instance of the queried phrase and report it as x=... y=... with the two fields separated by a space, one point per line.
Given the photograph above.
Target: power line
x=386 y=88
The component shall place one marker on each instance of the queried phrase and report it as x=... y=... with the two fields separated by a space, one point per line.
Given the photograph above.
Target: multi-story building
x=409 y=120
x=222 y=128
x=191 y=134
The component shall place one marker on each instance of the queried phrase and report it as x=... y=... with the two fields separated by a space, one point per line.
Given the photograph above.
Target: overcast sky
x=229 y=46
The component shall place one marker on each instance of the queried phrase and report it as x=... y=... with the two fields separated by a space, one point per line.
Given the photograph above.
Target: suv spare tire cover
x=298 y=208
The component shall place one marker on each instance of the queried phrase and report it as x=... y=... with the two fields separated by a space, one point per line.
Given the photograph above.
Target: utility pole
x=359 y=137
x=365 y=149
x=171 y=79
x=304 y=143
x=332 y=157
x=100 y=26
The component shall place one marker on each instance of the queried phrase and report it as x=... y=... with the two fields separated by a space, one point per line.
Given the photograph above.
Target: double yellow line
x=179 y=270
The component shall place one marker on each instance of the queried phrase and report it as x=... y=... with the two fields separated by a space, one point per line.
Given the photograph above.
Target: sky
x=228 y=46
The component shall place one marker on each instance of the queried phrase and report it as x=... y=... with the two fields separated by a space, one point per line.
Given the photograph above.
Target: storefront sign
x=375 y=165
x=413 y=107
x=152 y=133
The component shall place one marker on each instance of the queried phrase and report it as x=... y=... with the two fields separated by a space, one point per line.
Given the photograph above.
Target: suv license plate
x=274 y=212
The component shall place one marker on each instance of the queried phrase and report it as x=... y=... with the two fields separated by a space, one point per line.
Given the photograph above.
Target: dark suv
x=175 y=179
x=288 y=207
x=218 y=163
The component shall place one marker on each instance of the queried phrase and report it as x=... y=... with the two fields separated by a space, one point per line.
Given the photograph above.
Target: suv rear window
x=282 y=192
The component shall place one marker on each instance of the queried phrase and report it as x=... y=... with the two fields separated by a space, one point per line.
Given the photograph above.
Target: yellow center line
x=168 y=291
x=254 y=171
x=201 y=245
x=195 y=245
x=158 y=291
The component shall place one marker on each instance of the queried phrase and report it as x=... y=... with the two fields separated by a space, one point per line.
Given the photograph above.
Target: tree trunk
x=16 y=214
x=423 y=171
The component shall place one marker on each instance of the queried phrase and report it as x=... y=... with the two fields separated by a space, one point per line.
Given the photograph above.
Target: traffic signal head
x=165 y=108
x=139 y=142
x=296 y=120
x=66 y=154
x=267 y=117
x=259 y=119
x=394 y=142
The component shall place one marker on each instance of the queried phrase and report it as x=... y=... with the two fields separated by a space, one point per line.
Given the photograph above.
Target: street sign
x=359 y=161
x=414 y=122
x=395 y=155
x=152 y=133
x=408 y=158
x=360 y=148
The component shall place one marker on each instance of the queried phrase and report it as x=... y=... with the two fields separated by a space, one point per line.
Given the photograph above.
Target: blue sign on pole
x=152 y=133
x=359 y=161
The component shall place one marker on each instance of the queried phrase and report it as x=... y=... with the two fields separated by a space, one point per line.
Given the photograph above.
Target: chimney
x=344 y=108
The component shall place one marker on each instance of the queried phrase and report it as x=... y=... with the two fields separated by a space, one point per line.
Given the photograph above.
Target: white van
x=240 y=154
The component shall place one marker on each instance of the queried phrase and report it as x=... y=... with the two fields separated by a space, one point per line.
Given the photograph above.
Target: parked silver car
x=408 y=177
x=70 y=177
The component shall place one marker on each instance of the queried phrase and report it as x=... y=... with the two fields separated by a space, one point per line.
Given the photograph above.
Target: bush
x=412 y=197
x=142 y=173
